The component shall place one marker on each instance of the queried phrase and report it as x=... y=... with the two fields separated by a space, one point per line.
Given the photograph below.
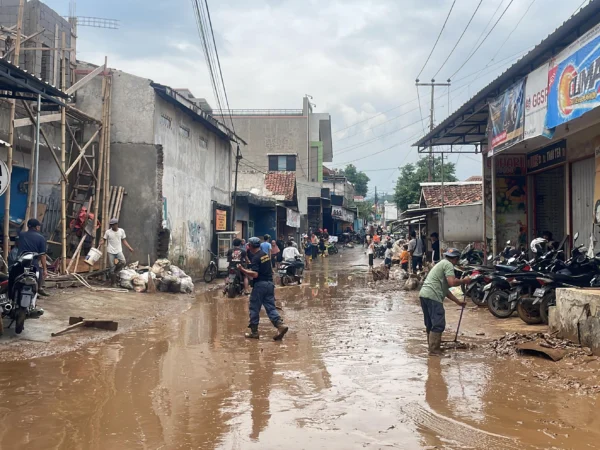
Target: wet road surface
x=351 y=373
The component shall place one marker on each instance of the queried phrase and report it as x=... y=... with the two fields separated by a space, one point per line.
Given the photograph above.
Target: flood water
x=352 y=373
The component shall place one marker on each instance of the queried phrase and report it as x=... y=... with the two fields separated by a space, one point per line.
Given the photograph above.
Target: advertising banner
x=507 y=114
x=573 y=80
x=359 y=199
x=339 y=213
x=292 y=218
x=221 y=220
x=536 y=105
x=547 y=157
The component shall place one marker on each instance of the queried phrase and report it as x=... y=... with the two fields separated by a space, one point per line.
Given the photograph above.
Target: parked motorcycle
x=22 y=292
x=331 y=248
x=290 y=272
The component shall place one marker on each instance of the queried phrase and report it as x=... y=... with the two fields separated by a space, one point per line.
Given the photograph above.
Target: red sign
x=509 y=165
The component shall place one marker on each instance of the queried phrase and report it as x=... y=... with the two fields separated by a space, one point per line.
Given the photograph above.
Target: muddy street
x=353 y=372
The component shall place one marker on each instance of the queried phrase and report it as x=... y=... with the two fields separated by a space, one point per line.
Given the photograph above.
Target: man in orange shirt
x=376 y=239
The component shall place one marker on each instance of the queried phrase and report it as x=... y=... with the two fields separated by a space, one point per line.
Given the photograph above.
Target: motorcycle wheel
x=333 y=250
x=476 y=296
x=497 y=303
x=548 y=301
x=530 y=317
x=210 y=273
x=20 y=317
x=231 y=290
x=286 y=280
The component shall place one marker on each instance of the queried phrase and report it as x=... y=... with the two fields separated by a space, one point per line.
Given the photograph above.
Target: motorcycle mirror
x=490 y=257
x=508 y=242
x=576 y=236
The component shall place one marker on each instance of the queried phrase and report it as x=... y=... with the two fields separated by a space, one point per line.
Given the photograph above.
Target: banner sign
x=508 y=165
x=507 y=114
x=536 y=105
x=359 y=199
x=547 y=157
x=221 y=220
x=574 y=80
x=337 y=212
x=293 y=218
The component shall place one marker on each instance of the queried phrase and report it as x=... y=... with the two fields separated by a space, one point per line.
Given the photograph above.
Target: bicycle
x=212 y=270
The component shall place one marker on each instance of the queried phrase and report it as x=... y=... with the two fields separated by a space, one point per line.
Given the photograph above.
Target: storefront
x=288 y=223
x=342 y=219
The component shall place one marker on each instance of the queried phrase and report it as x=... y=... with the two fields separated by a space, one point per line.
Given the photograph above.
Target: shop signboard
x=508 y=165
x=359 y=199
x=221 y=220
x=293 y=218
x=536 y=105
x=547 y=157
x=574 y=79
x=507 y=117
x=339 y=213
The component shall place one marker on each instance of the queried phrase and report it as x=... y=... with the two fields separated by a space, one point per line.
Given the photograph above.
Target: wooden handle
x=77 y=325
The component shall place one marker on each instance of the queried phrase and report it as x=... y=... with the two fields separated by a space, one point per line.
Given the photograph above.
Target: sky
x=358 y=59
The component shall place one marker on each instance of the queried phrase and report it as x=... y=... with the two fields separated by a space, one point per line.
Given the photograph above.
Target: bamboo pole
x=106 y=130
x=63 y=158
x=11 y=138
x=100 y=165
x=30 y=183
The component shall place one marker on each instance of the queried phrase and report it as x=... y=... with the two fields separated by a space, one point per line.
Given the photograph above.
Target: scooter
x=289 y=272
x=23 y=279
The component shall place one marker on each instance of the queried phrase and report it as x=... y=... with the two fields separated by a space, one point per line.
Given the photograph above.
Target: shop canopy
x=467 y=126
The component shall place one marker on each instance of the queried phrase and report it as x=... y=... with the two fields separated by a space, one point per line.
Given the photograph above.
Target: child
x=404 y=257
x=370 y=252
x=388 y=255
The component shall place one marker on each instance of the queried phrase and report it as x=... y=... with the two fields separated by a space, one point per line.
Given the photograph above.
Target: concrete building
x=342 y=213
x=297 y=140
x=390 y=212
x=174 y=161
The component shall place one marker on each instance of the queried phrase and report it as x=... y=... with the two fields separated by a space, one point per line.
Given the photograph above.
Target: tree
x=359 y=179
x=365 y=209
x=408 y=189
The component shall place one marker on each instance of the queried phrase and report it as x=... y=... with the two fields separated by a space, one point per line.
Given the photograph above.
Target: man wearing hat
x=32 y=241
x=115 y=237
x=435 y=288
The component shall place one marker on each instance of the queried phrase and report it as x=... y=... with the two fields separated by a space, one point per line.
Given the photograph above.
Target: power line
x=437 y=40
x=484 y=39
x=459 y=39
x=380 y=151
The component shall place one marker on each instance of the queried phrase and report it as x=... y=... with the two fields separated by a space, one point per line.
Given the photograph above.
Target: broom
x=151 y=286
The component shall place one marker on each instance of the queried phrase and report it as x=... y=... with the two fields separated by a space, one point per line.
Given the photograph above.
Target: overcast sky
x=358 y=59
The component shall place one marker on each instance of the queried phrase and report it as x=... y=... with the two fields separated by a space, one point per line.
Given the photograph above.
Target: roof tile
x=454 y=195
x=281 y=183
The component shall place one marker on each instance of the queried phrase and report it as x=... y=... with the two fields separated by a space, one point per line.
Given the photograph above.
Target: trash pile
x=166 y=277
x=545 y=343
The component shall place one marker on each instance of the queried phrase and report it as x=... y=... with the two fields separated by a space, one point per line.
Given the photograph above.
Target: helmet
x=254 y=242
x=452 y=253
x=536 y=244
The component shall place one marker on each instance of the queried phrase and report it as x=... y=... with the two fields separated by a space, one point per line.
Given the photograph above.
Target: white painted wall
x=194 y=175
x=463 y=223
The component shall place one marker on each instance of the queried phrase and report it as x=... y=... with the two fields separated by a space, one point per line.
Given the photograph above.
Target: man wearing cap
x=263 y=292
x=32 y=241
x=435 y=288
x=115 y=237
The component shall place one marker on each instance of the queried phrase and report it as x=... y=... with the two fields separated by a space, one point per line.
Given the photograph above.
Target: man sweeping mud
x=263 y=292
x=435 y=288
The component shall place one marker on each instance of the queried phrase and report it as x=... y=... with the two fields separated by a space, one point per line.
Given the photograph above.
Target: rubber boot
x=253 y=332
x=435 y=343
x=113 y=279
x=281 y=330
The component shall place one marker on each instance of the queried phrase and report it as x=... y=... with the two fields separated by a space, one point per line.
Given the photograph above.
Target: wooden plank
x=25 y=122
x=41 y=207
x=85 y=80
x=81 y=152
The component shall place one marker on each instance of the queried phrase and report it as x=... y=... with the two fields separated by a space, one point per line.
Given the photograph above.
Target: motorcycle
x=234 y=284
x=331 y=248
x=290 y=272
x=22 y=292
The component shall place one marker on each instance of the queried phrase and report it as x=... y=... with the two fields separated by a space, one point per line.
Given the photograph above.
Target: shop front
x=342 y=219
x=288 y=223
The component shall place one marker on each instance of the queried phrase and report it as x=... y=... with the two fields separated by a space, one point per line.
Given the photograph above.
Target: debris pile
x=545 y=343
x=167 y=278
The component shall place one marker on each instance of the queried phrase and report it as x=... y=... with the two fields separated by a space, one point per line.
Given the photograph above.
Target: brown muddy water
x=351 y=373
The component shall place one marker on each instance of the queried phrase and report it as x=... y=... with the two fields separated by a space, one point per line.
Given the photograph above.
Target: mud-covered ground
x=353 y=372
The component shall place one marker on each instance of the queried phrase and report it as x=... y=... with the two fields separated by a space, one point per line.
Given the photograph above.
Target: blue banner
x=574 y=82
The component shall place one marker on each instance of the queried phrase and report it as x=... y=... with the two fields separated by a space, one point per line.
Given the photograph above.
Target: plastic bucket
x=93 y=256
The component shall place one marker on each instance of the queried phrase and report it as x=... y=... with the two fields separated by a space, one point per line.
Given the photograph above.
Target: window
x=165 y=121
x=282 y=163
x=184 y=132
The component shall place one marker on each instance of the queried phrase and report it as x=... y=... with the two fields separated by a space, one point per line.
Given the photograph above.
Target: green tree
x=408 y=189
x=365 y=209
x=359 y=179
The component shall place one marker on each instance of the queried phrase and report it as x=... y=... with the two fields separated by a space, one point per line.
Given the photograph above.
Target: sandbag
x=125 y=278
x=187 y=285
x=161 y=267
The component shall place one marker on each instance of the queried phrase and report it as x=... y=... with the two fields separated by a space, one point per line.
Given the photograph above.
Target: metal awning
x=467 y=125
x=19 y=84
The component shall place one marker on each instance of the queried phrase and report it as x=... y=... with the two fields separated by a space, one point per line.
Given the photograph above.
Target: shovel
x=77 y=322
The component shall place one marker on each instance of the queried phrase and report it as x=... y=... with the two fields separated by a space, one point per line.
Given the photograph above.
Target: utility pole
x=238 y=157
x=433 y=84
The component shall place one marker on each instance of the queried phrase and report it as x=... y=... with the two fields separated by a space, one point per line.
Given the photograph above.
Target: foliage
x=359 y=179
x=365 y=209
x=408 y=189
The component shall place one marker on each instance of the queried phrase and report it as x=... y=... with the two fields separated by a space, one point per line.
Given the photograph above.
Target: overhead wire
x=459 y=39
x=484 y=39
x=437 y=40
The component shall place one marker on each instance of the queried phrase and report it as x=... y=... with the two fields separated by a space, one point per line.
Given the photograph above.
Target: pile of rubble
x=512 y=343
x=166 y=277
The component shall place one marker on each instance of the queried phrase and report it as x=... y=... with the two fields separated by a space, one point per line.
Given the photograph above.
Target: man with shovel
x=115 y=237
x=435 y=288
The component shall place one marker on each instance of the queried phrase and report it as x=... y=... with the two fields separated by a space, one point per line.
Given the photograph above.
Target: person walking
x=115 y=237
x=263 y=293
x=415 y=248
x=435 y=288
x=275 y=253
x=32 y=241
x=314 y=246
x=371 y=253
x=435 y=247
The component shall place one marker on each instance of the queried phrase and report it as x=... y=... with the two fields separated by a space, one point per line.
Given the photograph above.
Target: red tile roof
x=475 y=178
x=281 y=183
x=454 y=194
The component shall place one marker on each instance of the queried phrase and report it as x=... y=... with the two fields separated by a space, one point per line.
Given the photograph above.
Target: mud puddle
x=351 y=373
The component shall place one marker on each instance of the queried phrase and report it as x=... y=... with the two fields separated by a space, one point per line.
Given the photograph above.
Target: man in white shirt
x=115 y=237
x=290 y=253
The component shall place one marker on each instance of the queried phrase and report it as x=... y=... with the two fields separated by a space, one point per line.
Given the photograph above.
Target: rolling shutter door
x=582 y=198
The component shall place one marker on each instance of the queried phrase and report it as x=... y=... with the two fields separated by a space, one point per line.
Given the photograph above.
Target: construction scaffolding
x=83 y=164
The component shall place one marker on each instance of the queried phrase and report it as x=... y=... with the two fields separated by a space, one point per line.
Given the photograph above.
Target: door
x=582 y=198
x=550 y=203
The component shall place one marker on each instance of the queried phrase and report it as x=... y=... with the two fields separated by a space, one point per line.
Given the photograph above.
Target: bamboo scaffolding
x=63 y=157
x=100 y=165
x=106 y=130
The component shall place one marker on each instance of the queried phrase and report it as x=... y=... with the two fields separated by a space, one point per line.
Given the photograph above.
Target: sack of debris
x=126 y=276
x=411 y=284
x=187 y=285
x=380 y=273
x=144 y=276
x=161 y=267
x=177 y=272
x=139 y=285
